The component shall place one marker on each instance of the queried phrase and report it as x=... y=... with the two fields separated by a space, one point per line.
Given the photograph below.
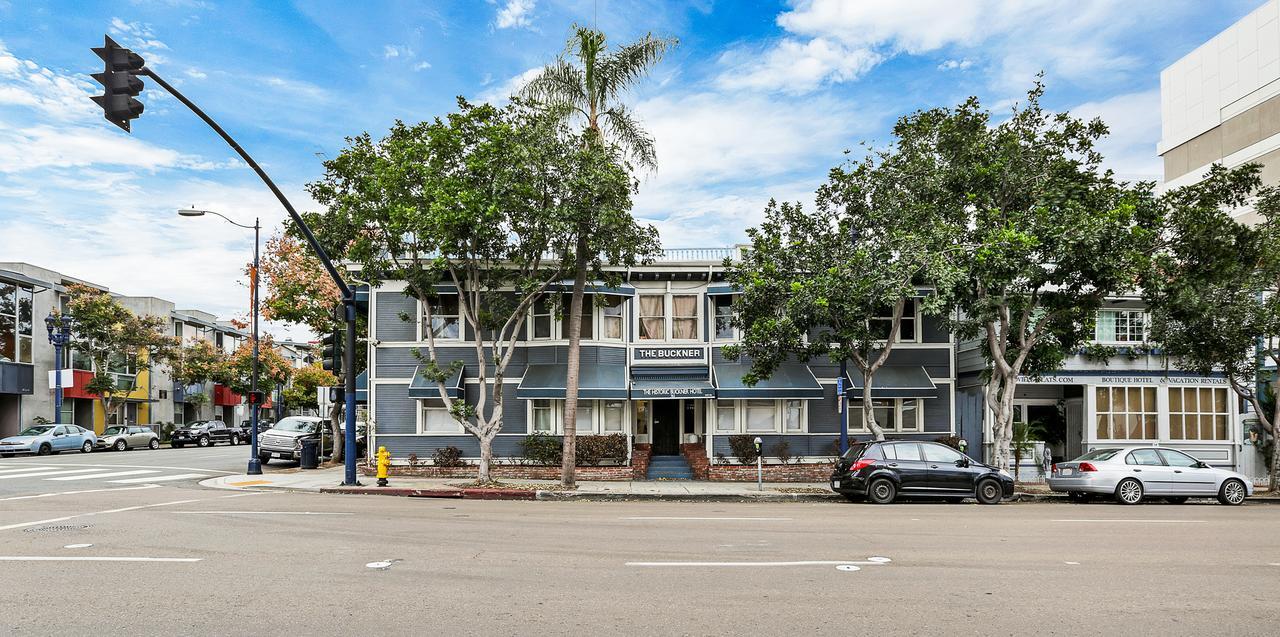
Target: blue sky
x=759 y=101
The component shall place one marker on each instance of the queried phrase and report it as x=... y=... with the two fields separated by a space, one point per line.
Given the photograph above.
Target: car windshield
x=197 y=424
x=38 y=430
x=296 y=424
x=1099 y=454
x=111 y=431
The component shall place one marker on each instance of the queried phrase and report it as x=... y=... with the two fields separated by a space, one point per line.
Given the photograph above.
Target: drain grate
x=58 y=528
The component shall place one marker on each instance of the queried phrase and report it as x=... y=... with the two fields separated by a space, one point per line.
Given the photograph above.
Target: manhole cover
x=57 y=528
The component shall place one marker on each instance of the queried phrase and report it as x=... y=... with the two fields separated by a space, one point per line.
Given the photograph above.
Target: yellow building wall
x=139 y=394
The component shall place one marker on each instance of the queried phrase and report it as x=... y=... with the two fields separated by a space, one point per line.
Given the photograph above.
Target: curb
x=469 y=494
x=570 y=496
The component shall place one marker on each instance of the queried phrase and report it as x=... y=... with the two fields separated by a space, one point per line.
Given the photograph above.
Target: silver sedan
x=1132 y=473
x=120 y=438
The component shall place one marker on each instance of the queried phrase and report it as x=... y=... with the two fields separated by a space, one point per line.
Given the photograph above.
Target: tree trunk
x=335 y=426
x=486 y=458
x=869 y=410
x=1274 y=481
x=572 y=374
x=999 y=399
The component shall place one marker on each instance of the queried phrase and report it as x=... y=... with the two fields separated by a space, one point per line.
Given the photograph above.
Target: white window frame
x=913 y=316
x=593 y=320
x=856 y=422
x=553 y=326
x=601 y=317
x=423 y=326
x=640 y=317
x=597 y=416
x=739 y=408
x=1198 y=413
x=1147 y=410
x=735 y=334
x=1128 y=315
x=422 y=420
x=668 y=316
x=622 y=417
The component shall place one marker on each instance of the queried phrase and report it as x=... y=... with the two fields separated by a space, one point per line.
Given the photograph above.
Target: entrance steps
x=669 y=468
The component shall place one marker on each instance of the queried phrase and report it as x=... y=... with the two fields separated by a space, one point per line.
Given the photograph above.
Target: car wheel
x=120 y=445
x=154 y=444
x=1232 y=493
x=1129 y=491
x=203 y=441
x=882 y=491
x=1178 y=499
x=87 y=447
x=44 y=450
x=989 y=492
x=264 y=458
x=1079 y=497
x=231 y=440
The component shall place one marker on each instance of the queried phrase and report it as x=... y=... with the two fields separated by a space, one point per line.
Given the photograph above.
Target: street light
x=59 y=336
x=255 y=465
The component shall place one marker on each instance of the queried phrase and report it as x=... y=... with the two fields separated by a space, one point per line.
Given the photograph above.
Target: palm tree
x=590 y=89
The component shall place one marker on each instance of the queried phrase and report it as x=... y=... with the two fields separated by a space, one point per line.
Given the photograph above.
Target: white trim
x=739 y=406
x=857 y=424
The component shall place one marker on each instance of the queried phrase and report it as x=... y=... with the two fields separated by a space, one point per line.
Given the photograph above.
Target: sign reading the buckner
x=670 y=354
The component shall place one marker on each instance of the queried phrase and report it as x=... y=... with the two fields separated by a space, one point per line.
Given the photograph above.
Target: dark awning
x=594 y=287
x=420 y=387
x=648 y=383
x=594 y=381
x=788 y=381
x=362 y=387
x=902 y=381
x=715 y=290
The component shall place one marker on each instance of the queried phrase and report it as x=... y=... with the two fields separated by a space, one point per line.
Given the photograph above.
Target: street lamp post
x=60 y=336
x=255 y=465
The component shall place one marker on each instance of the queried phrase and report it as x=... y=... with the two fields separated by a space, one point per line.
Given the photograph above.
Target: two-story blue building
x=652 y=370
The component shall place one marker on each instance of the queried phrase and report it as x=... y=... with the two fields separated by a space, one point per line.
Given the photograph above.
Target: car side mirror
x=963 y=462
x=1202 y=465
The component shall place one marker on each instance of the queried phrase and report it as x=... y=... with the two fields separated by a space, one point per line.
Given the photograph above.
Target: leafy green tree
x=120 y=344
x=1049 y=235
x=1211 y=288
x=813 y=283
x=196 y=364
x=590 y=92
x=273 y=368
x=301 y=392
x=482 y=200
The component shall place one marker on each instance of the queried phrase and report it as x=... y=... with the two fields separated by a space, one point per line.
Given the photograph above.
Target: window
x=1145 y=457
x=15 y=323
x=725 y=416
x=177 y=329
x=724 y=317
x=1198 y=413
x=903 y=451
x=611 y=318
x=613 y=414
x=653 y=317
x=444 y=322
x=643 y=416
x=684 y=317
x=882 y=323
x=1121 y=326
x=542 y=318
x=1126 y=413
x=588 y=305
x=761 y=415
x=1177 y=458
x=217 y=339
x=544 y=416
x=585 y=417
x=909 y=418
x=892 y=414
x=437 y=419
x=125 y=371
x=793 y=415
x=940 y=453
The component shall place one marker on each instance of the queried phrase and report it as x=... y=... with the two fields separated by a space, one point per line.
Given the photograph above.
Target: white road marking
x=847 y=567
x=660 y=517
x=262 y=513
x=95 y=476
x=1073 y=563
x=797 y=563
x=179 y=476
x=44 y=472
x=141 y=466
x=1137 y=521
x=26 y=468
x=91 y=514
x=77 y=546
x=49 y=558
x=50 y=495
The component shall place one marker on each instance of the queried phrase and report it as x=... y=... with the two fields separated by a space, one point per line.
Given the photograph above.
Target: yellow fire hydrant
x=384 y=465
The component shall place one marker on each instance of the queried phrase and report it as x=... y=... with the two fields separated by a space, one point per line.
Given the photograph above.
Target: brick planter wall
x=696 y=454
x=803 y=472
x=637 y=470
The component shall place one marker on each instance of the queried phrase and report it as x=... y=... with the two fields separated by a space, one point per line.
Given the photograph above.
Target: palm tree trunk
x=572 y=374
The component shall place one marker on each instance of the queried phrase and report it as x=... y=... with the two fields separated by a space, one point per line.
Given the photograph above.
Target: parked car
x=284 y=440
x=120 y=438
x=882 y=471
x=263 y=425
x=43 y=440
x=1134 y=473
x=203 y=433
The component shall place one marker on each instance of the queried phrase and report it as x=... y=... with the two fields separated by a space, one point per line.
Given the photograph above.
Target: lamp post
x=59 y=335
x=255 y=465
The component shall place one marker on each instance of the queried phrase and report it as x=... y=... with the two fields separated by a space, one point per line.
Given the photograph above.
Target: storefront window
x=761 y=415
x=444 y=322
x=1198 y=413
x=1126 y=413
x=585 y=417
x=438 y=420
x=543 y=416
x=793 y=415
x=684 y=317
x=1121 y=326
x=725 y=416
x=613 y=412
x=886 y=413
x=653 y=317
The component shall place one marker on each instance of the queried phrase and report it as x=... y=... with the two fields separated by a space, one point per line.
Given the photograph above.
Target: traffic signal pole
x=348 y=295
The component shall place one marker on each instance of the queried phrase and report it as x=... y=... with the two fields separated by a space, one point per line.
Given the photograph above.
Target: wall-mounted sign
x=1122 y=380
x=670 y=354
x=654 y=390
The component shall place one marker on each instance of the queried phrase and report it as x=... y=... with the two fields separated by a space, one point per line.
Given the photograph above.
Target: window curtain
x=1105 y=330
x=684 y=324
x=652 y=316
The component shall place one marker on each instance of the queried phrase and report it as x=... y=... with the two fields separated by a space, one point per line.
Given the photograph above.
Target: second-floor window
x=611 y=318
x=177 y=329
x=675 y=315
x=1121 y=326
x=653 y=317
x=882 y=323
x=15 y=323
x=724 y=318
x=445 y=321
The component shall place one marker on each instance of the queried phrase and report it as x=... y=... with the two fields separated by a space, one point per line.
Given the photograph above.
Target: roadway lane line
x=180 y=476
x=261 y=513
x=661 y=517
x=796 y=563
x=48 y=558
x=95 y=476
x=1094 y=521
x=50 y=495
x=44 y=472
x=85 y=515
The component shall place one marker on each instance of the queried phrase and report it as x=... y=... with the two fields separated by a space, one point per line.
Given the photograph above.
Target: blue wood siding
x=823 y=417
x=395 y=412
x=424 y=446
x=387 y=323
x=933 y=329
x=937 y=411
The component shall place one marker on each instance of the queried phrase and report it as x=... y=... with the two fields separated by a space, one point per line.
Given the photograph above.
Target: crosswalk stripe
x=26 y=468
x=44 y=472
x=94 y=476
x=180 y=476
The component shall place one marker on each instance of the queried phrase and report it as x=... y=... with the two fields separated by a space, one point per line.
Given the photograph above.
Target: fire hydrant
x=384 y=465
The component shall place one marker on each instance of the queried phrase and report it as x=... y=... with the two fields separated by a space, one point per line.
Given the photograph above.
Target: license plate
x=1068 y=472
x=835 y=484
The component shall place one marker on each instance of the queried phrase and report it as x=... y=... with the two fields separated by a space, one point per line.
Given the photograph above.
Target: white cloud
x=515 y=13
x=396 y=50
x=502 y=92
x=193 y=73
x=951 y=65
x=1134 y=121
x=795 y=66
x=422 y=66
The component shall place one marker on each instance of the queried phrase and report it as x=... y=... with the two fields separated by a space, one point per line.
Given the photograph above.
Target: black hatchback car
x=882 y=471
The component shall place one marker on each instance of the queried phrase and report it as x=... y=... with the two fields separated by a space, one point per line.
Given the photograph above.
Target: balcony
x=700 y=255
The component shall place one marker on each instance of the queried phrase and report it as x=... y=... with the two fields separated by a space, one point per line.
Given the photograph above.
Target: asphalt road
x=101 y=469
x=299 y=564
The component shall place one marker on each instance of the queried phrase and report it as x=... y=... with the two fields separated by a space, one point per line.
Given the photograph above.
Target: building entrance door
x=666 y=427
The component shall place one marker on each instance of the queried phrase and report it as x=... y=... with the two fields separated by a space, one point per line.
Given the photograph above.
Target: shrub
x=449 y=456
x=413 y=460
x=721 y=459
x=542 y=449
x=743 y=447
x=591 y=450
x=782 y=451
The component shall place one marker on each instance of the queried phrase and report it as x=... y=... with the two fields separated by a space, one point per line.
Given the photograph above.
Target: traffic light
x=257 y=397
x=331 y=353
x=120 y=84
